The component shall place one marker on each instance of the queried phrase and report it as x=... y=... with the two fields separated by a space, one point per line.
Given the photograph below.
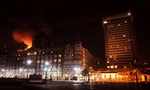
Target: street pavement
x=69 y=85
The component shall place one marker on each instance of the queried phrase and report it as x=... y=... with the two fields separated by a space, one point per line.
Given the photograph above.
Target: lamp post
x=46 y=68
x=77 y=71
x=28 y=62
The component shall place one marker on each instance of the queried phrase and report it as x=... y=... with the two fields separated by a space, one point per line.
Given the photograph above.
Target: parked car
x=36 y=79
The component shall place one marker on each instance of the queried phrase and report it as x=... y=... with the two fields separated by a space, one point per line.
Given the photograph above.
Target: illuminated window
x=116 y=66
x=42 y=66
x=35 y=53
x=28 y=53
x=129 y=13
x=43 y=52
x=55 y=60
x=129 y=40
x=42 y=61
x=112 y=67
x=17 y=59
x=123 y=35
x=125 y=67
x=110 y=56
x=107 y=61
x=60 y=55
x=107 y=76
x=38 y=61
x=72 y=55
x=105 y=22
x=125 y=21
x=113 y=76
x=51 y=51
x=55 y=56
x=59 y=60
x=108 y=66
x=118 y=25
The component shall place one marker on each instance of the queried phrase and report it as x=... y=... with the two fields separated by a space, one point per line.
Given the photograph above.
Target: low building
x=76 y=59
x=47 y=62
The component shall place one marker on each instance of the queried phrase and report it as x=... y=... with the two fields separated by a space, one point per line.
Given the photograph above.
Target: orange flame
x=23 y=37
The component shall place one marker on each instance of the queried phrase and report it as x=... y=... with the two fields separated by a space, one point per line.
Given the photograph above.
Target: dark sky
x=64 y=20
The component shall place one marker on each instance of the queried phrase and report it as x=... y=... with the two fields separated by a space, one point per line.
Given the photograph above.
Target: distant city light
x=29 y=62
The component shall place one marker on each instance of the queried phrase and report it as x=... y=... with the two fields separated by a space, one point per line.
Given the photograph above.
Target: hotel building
x=119 y=40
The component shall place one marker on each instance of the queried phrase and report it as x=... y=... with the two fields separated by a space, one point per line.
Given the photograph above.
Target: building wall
x=76 y=56
x=72 y=58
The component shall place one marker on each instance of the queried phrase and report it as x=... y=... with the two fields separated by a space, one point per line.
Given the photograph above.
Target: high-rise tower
x=119 y=40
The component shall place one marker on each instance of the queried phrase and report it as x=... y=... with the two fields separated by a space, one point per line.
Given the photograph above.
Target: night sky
x=63 y=21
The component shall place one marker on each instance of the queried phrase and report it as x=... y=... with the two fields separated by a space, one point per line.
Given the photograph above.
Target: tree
x=85 y=72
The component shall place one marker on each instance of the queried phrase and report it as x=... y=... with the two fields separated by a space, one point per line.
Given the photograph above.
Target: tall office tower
x=119 y=40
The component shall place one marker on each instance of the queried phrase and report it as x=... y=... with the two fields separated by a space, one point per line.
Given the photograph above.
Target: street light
x=105 y=22
x=129 y=13
x=45 y=69
x=77 y=69
x=77 y=72
x=20 y=69
x=3 y=70
x=46 y=63
x=29 y=62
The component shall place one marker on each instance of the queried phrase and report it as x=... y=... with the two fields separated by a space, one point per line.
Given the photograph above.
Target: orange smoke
x=23 y=37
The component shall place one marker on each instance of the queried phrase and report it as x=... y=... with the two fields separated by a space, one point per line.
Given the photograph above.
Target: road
x=73 y=85
x=69 y=85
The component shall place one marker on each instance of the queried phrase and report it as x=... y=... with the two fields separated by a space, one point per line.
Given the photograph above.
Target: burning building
x=23 y=37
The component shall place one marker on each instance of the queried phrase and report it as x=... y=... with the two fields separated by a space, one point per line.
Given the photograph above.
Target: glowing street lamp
x=46 y=63
x=77 y=72
x=20 y=69
x=129 y=13
x=29 y=62
x=77 y=69
x=3 y=70
x=45 y=69
x=105 y=22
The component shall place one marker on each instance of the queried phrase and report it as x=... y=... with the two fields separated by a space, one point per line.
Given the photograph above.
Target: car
x=36 y=79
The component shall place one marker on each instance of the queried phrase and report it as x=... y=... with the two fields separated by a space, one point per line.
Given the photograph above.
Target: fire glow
x=23 y=37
